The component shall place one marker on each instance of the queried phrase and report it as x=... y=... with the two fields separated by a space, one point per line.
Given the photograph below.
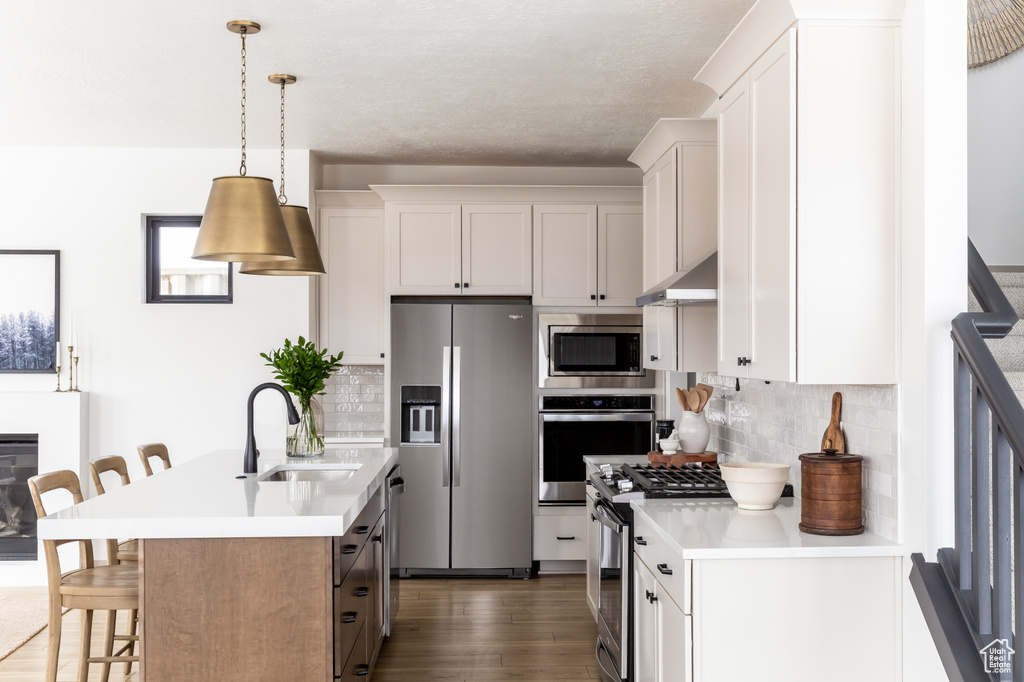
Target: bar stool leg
x=133 y=621
x=108 y=643
x=84 y=647
x=53 y=640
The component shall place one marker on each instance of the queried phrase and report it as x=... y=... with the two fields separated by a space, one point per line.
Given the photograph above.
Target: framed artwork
x=29 y=310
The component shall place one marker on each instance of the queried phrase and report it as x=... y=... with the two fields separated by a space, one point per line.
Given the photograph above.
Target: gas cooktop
x=635 y=481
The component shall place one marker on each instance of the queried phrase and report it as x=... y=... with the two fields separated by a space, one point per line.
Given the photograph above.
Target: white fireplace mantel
x=62 y=422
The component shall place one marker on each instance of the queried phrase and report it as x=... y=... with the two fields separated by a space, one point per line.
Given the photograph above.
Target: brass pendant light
x=296 y=220
x=242 y=219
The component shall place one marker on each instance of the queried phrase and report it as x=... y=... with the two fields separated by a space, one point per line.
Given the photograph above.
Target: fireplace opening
x=19 y=461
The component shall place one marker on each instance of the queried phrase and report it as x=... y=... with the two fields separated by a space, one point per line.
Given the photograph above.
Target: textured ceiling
x=473 y=82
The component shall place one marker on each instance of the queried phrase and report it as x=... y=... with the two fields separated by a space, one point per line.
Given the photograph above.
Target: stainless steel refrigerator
x=460 y=416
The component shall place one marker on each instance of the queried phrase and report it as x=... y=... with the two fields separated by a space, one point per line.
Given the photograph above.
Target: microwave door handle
x=606 y=520
x=446 y=399
x=456 y=416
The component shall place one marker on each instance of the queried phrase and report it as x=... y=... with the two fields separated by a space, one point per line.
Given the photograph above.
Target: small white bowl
x=755 y=485
x=669 y=447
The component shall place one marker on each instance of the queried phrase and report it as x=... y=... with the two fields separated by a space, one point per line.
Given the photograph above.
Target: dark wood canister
x=830 y=492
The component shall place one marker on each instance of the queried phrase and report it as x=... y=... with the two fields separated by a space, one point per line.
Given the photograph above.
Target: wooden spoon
x=683 y=398
x=833 y=436
x=707 y=389
x=704 y=396
x=694 y=401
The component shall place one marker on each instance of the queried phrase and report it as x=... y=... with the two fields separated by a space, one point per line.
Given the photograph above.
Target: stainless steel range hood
x=695 y=286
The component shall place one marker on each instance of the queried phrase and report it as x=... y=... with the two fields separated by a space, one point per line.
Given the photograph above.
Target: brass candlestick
x=58 y=377
x=71 y=367
x=75 y=376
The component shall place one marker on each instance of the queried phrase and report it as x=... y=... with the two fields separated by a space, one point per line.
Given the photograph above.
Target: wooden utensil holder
x=830 y=492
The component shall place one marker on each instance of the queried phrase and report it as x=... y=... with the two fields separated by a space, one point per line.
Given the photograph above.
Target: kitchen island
x=272 y=575
x=728 y=595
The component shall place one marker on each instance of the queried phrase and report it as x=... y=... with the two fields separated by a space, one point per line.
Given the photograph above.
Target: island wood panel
x=236 y=609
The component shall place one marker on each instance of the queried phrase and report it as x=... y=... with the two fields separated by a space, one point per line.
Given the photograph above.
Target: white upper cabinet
x=587 y=255
x=497 y=257
x=450 y=249
x=565 y=255
x=680 y=229
x=809 y=120
x=352 y=301
x=426 y=248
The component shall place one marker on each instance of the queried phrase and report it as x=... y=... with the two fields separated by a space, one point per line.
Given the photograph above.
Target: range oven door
x=614 y=575
x=566 y=438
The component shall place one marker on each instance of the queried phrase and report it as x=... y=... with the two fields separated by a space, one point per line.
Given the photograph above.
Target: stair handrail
x=965 y=594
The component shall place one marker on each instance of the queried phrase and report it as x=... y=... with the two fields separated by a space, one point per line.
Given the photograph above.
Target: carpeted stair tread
x=1009 y=279
x=1009 y=351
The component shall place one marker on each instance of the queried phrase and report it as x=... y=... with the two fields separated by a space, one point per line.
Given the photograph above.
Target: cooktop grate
x=676 y=479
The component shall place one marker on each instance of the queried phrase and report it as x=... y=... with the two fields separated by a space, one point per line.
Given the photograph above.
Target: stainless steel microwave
x=591 y=351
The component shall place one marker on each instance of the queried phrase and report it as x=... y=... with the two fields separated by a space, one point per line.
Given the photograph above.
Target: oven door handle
x=608 y=674
x=606 y=520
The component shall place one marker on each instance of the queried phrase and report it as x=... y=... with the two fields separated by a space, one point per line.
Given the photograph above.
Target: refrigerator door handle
x=446 y=400
x=456 y=415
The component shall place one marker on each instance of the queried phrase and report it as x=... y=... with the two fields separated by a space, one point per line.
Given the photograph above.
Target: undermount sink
x=332 y=472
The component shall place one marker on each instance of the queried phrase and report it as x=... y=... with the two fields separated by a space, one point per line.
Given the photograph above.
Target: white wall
x=362 y=176
x=995 y=159
x=179 y=374
x=934 y=289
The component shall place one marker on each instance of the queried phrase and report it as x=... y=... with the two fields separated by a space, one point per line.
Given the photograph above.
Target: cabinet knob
x=382 y=355
x=377 y=538
x=601 y=297
x=465 y=285
x=742 y=361
x=456 y=285
x=592 y=297
x=653 y=358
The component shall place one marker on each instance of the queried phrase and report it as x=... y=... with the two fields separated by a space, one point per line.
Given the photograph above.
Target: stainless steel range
x=611 y=490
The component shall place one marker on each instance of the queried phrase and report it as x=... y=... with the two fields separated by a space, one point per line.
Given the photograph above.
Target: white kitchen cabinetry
x=809 y=123
x=722 y=595
x=680 y=229
x=664 y=634
x=352 y=301
x=587 y=255
x=560 y=538
x=451 y=249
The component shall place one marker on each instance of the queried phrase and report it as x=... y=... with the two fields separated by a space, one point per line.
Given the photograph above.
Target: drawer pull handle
x=664 y=569
x=362 y=530
x=362 y=670
x=349 y=549
x=565 y=537
x=363 y=591
x=349 y=617
x=640 y=540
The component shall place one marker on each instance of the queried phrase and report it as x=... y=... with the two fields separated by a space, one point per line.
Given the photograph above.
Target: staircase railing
x=973 y=596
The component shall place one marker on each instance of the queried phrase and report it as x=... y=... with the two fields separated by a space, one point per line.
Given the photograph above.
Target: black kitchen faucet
x=251 y=453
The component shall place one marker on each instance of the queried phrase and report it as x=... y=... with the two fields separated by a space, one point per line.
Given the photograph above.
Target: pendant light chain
x=282 y=197
x=241 y=171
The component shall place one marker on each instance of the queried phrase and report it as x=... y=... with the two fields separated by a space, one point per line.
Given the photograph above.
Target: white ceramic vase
x=694 y=433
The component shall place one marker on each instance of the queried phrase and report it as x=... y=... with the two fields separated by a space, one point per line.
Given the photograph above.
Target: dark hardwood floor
x=466 y=629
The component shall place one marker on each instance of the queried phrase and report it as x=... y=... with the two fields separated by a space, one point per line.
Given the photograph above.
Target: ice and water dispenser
x=421 y=415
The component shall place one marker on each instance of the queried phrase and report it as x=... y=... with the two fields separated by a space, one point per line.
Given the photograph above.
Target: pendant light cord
x=241 y=170
x=282 y=197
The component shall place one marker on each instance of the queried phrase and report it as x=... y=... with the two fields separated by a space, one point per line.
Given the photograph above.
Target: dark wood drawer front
x=347 y=546
x=353 y=603
x=358 y=666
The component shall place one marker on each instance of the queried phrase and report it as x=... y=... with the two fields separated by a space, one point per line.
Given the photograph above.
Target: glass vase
x=305 y=439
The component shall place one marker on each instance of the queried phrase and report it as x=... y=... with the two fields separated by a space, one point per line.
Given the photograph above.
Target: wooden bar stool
x=154 y=450
x=90 y=588
x=126 y=552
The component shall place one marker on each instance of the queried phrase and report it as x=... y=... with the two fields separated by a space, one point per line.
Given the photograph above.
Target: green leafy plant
x=302 y=369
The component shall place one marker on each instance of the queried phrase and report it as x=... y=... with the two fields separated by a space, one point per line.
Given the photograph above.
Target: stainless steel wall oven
x=573 y=426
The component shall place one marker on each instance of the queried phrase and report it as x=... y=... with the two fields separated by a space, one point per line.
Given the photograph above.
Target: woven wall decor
x=995 y=28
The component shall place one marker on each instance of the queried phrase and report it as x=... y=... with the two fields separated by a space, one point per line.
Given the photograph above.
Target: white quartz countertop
x=203 y=498
x=718 y=529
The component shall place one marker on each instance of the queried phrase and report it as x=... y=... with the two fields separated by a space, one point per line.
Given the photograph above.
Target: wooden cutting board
x=661 y=459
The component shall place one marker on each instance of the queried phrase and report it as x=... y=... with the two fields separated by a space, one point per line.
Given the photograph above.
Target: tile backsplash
x=354 y=401
x=778 y=421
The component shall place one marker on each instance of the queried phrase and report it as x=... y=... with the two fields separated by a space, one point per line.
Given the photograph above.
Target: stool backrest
x=102 y=465
x=39 y=486
x=154 y=450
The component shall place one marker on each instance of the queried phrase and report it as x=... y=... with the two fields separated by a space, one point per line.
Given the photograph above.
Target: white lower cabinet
x=560 y=538
x=663 y=633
